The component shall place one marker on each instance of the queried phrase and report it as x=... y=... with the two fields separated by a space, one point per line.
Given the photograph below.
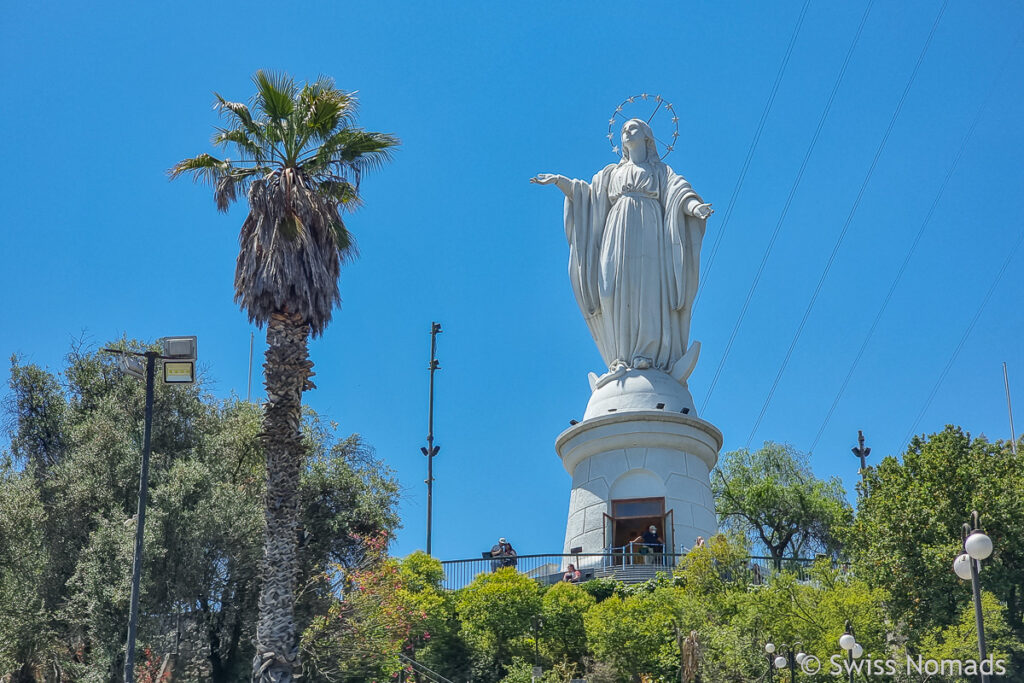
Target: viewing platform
x=627 y=567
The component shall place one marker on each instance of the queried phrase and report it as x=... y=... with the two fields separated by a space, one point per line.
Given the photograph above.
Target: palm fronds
x=299 y=159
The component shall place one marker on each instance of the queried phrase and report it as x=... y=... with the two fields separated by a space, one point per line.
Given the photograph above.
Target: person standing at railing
x=654 y=542
x=509 y=559
x=503 y=554
x=755 y=573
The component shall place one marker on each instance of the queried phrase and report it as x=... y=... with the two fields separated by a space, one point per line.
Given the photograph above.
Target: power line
x=913 y=245
x=846 y=225
x=753 y=146
x=963 y=339
x=789 y=200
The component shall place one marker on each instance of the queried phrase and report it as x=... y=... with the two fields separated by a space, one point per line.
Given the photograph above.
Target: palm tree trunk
x=288 y=370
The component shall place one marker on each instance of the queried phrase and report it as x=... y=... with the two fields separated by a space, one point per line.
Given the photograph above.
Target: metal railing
x=550 y=568
x=546 y=569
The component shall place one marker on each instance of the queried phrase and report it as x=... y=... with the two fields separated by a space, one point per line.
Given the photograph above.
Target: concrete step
x=631 y=573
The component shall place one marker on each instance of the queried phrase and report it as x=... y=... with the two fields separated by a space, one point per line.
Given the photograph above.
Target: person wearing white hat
x=504 y=555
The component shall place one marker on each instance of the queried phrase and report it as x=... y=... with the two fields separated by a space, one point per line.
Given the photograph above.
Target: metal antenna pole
x=431 y=450
x=1009 y=409
x=861 y=452
x=140 y=523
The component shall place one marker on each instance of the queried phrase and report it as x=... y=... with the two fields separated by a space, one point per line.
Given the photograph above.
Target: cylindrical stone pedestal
x=646 y=454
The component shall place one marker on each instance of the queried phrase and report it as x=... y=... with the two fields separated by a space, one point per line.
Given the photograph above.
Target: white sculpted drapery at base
x=634 y=234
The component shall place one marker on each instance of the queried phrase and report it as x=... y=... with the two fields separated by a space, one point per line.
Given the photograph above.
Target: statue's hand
x=703 y=211
x=560 y=181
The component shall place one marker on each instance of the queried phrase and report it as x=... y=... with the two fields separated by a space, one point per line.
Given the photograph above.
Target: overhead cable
x=752 y=148
x=789 y=200
x=913 y=246
x=846 y=225
x=960 y=345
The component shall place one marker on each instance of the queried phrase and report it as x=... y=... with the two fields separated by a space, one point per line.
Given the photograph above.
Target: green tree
x=521 y=671
x=300 y=163
x=908 y=527
x=636 y=634
x=565 y=637
x=26 y=635
x=495 y=611
x=772 y=498
x=959 y=640
x=814 y=613
x=38 y=410
x=66 y=537
x=390 y=611
x=714 y=603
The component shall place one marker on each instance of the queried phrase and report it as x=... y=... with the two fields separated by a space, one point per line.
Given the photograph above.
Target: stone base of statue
x=637 y=460
x=634 y=390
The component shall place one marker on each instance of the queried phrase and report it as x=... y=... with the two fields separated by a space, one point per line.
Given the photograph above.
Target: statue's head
x=635 y=129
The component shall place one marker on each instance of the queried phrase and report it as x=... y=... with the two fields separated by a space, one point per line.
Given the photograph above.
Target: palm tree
x=300 y=161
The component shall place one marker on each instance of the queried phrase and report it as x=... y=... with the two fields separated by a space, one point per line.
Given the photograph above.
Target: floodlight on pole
x=179 y=348
x=180 y=354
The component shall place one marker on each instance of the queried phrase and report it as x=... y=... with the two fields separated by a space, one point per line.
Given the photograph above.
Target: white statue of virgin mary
x=634 y=235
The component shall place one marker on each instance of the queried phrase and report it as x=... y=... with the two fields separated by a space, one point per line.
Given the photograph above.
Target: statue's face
x=631 y=131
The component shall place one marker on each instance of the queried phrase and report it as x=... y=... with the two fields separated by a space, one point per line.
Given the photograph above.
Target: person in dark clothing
x=504 y=555
x=509 y=557
x=653 y=541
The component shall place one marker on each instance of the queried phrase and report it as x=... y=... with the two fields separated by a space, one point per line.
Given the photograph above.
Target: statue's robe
x=634 y=262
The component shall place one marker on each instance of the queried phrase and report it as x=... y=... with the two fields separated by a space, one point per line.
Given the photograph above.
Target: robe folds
x=634 y=261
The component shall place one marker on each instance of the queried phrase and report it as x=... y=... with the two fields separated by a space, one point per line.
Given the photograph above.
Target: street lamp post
x=848 y=642
x=789 y=655
x=140 y=522
x=180 y=354
x=537 y=622
x=977 y=547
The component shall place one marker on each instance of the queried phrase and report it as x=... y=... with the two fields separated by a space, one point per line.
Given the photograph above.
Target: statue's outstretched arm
x=694 y=207
x=560 y=181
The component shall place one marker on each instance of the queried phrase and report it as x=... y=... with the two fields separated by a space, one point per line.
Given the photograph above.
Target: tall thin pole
x=1009 y=409
x=431 y=450
x=862 y=453
x=248 y=389
x=849 y=653
x=979 y=623
x=140 y=523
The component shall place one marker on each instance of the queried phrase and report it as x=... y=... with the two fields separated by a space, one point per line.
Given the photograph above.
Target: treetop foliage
x=772 y=498
x=68 y=496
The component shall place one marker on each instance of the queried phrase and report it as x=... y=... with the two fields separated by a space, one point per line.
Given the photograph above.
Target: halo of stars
x=661 y=103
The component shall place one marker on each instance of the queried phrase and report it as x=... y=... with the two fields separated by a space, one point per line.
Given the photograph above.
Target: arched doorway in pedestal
x=637 y=501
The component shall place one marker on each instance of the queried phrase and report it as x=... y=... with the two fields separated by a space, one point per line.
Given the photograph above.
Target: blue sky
x=103 y=98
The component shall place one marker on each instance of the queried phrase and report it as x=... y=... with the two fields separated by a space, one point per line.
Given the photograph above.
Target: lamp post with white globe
x=848 y=642
x=779 y=660
x=977 y=547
